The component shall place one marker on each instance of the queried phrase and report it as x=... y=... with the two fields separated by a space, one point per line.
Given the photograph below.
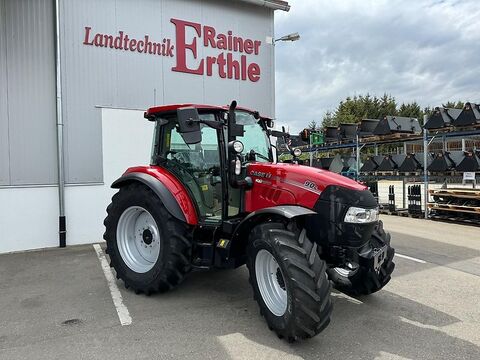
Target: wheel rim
x=348 y=271
x=138 y=239
x=271 y=282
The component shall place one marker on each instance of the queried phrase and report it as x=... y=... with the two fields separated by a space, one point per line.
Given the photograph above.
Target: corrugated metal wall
x=99 y=76
x=94 y=76
x=4 y=144
x=27 y=93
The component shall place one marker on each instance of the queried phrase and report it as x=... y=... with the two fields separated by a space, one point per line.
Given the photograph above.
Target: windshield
x=255 y=137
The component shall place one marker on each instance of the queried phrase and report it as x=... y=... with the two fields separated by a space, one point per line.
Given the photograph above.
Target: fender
x=283 y=211
x=165 y=187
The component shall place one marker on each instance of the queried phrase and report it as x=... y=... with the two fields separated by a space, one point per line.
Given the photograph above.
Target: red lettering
x=243 y=61
x=238 y=44
x=87 y=36
x=98 y=40
x=108 y=41
x=248 y=46
x=133 y=45
x=209 y=36
x=210 y=62
x=118 y=41
x=157 y=48
x=148 y=45
x=230 y=44
x=231 y=66
x=221 y=66
x=222 y=42
x=125 y=42
x=254 y=72
x=140 y=46
x=170 y=48
x=257 y=44
x=182 y=47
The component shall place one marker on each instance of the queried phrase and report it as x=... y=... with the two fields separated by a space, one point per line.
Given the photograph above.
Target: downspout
x=62 y=229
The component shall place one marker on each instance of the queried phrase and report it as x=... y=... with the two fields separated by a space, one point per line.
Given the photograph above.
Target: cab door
x=198 y=167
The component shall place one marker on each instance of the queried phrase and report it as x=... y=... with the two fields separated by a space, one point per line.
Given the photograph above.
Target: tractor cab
x=198 y=144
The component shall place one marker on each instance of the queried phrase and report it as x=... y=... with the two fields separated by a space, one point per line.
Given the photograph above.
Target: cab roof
x=164 y=109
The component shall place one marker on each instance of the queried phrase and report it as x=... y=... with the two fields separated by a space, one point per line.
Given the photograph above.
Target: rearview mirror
x=234 y=129
x=189 y=125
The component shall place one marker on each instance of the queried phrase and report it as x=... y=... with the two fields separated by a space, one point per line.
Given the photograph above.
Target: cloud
x=426 y=51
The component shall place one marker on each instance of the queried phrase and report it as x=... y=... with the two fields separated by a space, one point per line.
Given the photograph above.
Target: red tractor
x=215 y=197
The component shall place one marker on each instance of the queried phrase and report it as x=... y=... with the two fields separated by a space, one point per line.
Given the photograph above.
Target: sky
x=426 y=51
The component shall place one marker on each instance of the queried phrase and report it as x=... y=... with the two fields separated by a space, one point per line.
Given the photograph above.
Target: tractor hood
x=319 y=178
x=285 y=183
x=330 y=195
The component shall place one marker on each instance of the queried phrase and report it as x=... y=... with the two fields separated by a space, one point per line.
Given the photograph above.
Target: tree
x=312 y=125
x=412 y=110
x=353 y=110
x=451 y=104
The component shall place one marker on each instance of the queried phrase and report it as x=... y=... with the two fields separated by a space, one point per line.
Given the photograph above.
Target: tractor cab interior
x=197 y=166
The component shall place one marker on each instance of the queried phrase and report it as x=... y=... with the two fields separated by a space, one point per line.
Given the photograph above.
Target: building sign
x=231 y=61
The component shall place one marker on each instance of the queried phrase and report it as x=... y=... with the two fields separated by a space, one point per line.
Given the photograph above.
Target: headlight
x=297 y=152
x=237 y=146
x=357 y=215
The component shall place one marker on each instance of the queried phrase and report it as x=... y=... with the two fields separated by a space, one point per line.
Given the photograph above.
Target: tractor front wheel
x=148 y=248
x=289 y=281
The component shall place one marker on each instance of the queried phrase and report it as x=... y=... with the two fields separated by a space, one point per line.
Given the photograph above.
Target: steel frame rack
x=426 y=137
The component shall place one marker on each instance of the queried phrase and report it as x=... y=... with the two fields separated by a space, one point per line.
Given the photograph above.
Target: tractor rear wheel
x=148 y=248
x=289 y=281
x=362 y=280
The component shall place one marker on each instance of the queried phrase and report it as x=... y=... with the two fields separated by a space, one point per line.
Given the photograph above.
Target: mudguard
x=160 y=189
x=281 y=211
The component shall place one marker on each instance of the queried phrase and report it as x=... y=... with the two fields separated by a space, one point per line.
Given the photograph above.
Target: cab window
x=197 y=166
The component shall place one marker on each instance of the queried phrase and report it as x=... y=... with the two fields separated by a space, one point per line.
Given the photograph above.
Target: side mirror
x=234 y=129
x=189 y=125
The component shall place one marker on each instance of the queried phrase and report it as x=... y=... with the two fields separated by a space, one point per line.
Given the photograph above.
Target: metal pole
x=358 y=156
x=425 y=174
x=61 y=175
x=311 y=152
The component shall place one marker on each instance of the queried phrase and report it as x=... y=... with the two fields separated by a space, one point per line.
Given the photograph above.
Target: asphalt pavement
x=57 y=304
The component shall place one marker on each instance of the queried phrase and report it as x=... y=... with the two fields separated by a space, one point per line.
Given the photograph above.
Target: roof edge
x=272 y=4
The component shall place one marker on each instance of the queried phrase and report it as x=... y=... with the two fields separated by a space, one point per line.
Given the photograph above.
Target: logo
x=310 y=184
x=262 y=174
x=232 y=52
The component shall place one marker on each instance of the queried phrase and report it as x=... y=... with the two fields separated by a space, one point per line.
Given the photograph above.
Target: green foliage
x=410 y=110
x=354 y=109
x=329 y=119
x=454 y=105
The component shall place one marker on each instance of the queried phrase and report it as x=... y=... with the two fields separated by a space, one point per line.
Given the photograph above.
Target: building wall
x=95 y=75
x=100 y=143
x=27 y=93
x=86 y=205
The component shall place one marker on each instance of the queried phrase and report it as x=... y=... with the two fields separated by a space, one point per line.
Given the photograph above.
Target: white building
x=75 y=77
